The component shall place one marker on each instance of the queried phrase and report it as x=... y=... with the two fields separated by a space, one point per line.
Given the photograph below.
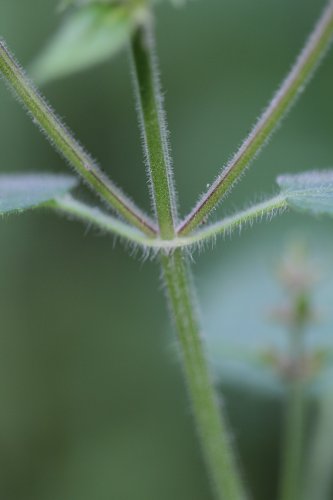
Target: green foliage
x=310 y=192
x=21 y=192
x=61 y=138
x=89 y=35
x=93 y=32
x=67 y=3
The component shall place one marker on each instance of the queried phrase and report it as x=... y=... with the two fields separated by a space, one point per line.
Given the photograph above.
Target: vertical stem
x=294 y=424
x=154 y=131
x=211 y=427
x=318 y=472
x=209 y=420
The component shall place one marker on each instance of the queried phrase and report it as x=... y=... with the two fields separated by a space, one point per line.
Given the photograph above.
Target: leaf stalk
x=294 y=84
x=64 y=142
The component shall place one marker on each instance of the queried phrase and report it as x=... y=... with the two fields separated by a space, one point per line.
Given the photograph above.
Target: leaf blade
x=22 y=192
x=310 y=192
x=89 y=35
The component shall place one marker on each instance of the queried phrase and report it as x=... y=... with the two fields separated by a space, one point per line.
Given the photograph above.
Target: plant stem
x=268 y=208
x=73 y=208
x=212 y=429
x=318 y=473
x=210 y=423
x=294 y=423
x=291 y=88
x=92 y=215
x=60 y=137
x=154 y=130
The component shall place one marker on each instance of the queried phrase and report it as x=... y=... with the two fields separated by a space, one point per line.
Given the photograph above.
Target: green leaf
x=309 y=192
x=21 y=192
x=89 y=35
x=67 y=3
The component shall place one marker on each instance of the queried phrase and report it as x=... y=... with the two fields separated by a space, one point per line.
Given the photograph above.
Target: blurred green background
x=92 y=401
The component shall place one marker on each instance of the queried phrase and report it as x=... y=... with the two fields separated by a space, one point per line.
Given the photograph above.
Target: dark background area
x=92 y=401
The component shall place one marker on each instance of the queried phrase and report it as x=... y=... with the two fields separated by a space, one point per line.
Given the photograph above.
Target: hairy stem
x=211 y=427
x=92 y=215
x=154 y=131
x=318 y=473
x=293 y=442
x=60 y=137
x=66 y=205
x=291 y=88
x=266 y=209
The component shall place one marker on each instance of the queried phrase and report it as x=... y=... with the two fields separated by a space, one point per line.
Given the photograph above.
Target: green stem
x=211 y=427
x=268 y=208
x=66 y=205
x=318 y=473
x=294 y=424
x=60 y=137
x=92 y=215
x=291 y=88
x=154 y=130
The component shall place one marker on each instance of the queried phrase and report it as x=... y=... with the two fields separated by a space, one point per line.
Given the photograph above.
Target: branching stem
x=60 y=137
x=107 y=223
x=210 y=424
x=74 y=209
x=168 y=240
x=291 y=88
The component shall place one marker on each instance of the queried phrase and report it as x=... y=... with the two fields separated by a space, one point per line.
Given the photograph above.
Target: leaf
x=309 y=191
x=67 y=3
x=89 y=35
x=21 y=192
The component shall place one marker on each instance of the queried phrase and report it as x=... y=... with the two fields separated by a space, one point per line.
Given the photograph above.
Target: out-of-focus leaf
x=89 y=35
x=310 y=191
x=67 y=3
x=178 y=3
x=21 y=192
